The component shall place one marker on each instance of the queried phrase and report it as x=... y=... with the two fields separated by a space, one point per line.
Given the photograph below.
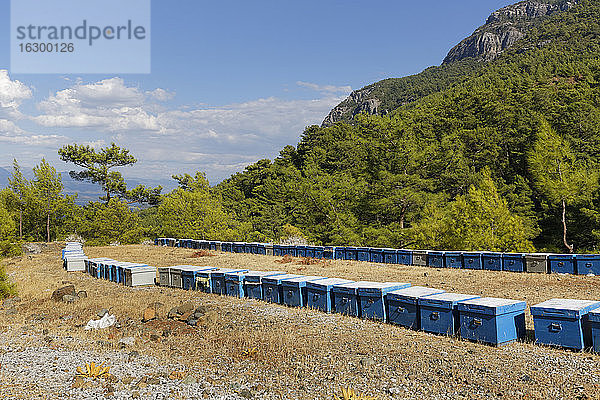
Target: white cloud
x=330 y=89
x=11 y=133
x=219 y=140
x=12 y=94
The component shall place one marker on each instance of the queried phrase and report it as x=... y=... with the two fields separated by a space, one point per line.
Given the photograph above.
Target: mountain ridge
x=502 y=30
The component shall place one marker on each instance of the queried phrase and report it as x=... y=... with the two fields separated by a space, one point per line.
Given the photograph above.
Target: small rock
x=173 y=313
x=153 y=381
x=127 y=380
x=155 y=338
x=67 y=298
x=58 y=294
x=11 y=311
x=166 y=333
x=149 y=314
x=210 y=318
x=394 y=390
x=142 y=385
x=185 y=316
x=82 y=294
x=77 y=383
x=132 y=355
x=189 y=380
x=8 y=303
x=186 y=308
x=101 y=313
x=135 y=395
x=246 y=393
x=192 y=322
x=526 y=378
x=47 y=339
x=367 y=362
x=127 y=341
x=425 y=274
x=103 y=343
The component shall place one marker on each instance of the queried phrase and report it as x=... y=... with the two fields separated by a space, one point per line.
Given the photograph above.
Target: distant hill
x=85 y=191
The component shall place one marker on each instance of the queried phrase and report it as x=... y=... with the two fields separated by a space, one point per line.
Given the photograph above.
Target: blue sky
x=232 y=81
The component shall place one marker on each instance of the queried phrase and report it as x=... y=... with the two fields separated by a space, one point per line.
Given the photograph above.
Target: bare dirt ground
x=264 y=351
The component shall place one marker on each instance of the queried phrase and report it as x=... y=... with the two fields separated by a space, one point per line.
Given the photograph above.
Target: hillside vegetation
x=393 y=180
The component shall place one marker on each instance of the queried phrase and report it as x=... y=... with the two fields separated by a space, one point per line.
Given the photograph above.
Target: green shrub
x=7 y=288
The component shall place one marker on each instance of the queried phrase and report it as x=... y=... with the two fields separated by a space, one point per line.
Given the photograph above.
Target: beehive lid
x=76 y=258
x=445 y=300
x=380 y=287
x=141 y=269
x=492 y=305
x=263 y=273
x=300 y=280
x=196 y=268
x=563 y=308
x=413 y=293
x=594 y=315
x=561 y=256
x=221 y=272
x=587 y=256
x=328 y=283
x=278 y=278
x=513 y=255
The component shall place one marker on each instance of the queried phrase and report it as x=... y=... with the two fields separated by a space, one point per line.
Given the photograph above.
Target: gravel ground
x=47 y=373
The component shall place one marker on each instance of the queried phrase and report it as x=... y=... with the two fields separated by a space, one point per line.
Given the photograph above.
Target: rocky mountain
x=502 y=30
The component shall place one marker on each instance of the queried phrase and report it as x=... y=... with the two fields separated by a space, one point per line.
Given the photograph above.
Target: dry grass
x=298 y=353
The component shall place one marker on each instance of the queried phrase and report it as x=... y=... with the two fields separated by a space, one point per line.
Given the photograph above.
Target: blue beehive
x=390 y=256
x=238 y=247
x=301 y=251
x=310 y=251
x=563 y=322
x=319 y=252
x=594 y=324
x=277 y=251
x=234 y=284
x=472 y=260
x=376 y=255
x=203 y=280
x=253 y=283
x=345 y=298
x=294 y=290
x=491 y=261
x=453 y=259
x=247 y=248
x=491 y=320
x=405 y=257
x=217 y=279
x=189 y=275
x=328 y=252
x=339 y=253
x=261 y=248
x=371 y=298
x=587 y=264
x=562 y=263
x=514 y=262
x=363 y=254
x=439 y=312
x=272 y=289
x=419 y=257
x=351 y=253
x=254 y=248
x=403 y=305
x=320 y=295
x=435 y=259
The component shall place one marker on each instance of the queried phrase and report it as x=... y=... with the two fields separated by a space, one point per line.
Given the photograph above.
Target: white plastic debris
x=102 y=323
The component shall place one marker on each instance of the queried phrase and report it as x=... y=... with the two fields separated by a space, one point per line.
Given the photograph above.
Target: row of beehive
x=125 y=273
x=582 y=264
x=560 y=322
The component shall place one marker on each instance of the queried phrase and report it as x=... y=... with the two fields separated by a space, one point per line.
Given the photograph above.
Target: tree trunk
x=48 y=229
x=21 y=224
x=564 y=222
